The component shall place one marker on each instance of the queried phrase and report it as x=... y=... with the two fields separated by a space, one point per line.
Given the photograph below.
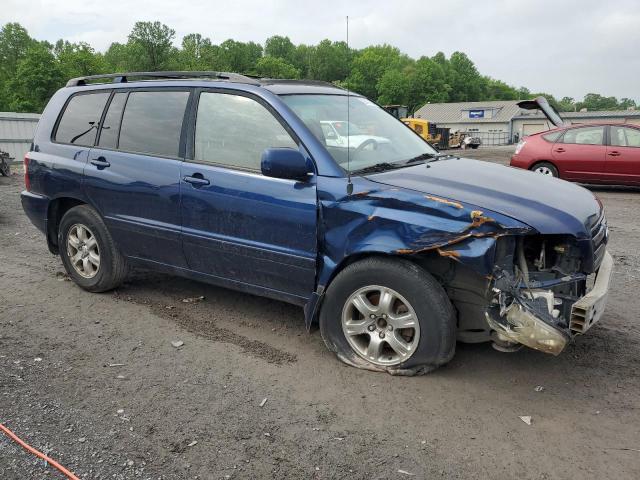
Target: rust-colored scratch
x=461 y=238
x=448 y=253
x=362 y=194
x=371 y=217
x=445 y=201
x=479 y=219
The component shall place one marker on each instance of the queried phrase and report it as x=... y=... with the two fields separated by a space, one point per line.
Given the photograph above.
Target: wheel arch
x=431 y=262
x=55 y=211
x=551 y=162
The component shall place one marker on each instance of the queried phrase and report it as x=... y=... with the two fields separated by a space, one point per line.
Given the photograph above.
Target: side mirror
x=286 y=163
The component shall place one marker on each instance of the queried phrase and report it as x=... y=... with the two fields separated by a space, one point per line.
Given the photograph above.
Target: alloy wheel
x=380 y=325
x=83 y=251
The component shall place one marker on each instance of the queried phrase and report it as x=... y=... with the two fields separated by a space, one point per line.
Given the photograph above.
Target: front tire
x=88 y=252
x=390 y=315
x=545 y=168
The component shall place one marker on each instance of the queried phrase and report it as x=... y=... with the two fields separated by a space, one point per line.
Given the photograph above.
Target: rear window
x=79 y=122
x=152 y=122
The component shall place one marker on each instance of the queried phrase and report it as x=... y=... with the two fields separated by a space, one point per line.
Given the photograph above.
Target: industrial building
x=16 y=133
x=503 y=122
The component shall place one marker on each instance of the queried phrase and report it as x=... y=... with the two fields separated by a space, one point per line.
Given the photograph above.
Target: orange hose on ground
x=41 y=455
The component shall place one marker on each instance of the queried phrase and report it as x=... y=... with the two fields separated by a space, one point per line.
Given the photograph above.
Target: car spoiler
x=541 y=103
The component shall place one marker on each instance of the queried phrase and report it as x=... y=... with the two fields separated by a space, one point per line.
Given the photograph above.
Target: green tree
x=196 y=52
x=274 y=67
x=301 y=59
x=239 y=57
x=465 y=81
x=280 y=47
x=78 y=59
x=329 y=61
x=626 y=103
x=370 y=64
x=498 y=90
x=118 y=58
x=566 y=104
x=595 y=101
x=14 y=43
x=38 y=76
x=150 y=45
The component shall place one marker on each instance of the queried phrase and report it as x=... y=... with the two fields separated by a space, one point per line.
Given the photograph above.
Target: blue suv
x=309 y=194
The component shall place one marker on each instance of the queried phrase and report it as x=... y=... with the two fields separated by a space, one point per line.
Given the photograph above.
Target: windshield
x=375 y=137
x=342 y=129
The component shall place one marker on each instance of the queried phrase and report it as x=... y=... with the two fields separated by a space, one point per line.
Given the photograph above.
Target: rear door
x=623 y=155
x=237 y=223
x=579 y=154
x=133 y=173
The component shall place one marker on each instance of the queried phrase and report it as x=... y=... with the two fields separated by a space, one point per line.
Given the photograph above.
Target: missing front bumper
x=521 y=323
x=588 y=310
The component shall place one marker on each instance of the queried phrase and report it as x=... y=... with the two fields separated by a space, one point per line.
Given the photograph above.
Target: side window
x=152 y=122
x=552 y=137
x=111 y=125
x=625 y=137
x=79 y=122
x=584 y=136
x=234 y=130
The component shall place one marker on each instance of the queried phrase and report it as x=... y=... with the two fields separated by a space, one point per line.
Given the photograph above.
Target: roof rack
x=125 y=77
x=291 y=81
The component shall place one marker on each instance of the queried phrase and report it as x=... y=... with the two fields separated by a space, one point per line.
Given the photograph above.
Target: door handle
x=614 y=154
x=560 y=150
x=197 y=180
x=100 y=162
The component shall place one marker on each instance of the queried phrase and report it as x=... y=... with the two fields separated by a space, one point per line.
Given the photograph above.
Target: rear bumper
x=36 y=207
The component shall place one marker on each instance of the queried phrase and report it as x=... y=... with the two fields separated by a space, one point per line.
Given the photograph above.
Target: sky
x=561 y=47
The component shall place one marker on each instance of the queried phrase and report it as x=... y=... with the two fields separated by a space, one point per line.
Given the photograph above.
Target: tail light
x=27 y=181
x=519 y=146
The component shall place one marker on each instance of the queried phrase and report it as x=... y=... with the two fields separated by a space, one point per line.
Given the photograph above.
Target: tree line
x=32 y=70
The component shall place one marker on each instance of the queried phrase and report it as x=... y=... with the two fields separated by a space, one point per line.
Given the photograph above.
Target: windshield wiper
x=431 y=157
x=378 y=167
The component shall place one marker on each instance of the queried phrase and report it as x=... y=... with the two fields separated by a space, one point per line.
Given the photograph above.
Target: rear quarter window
x=552 y=137
x=79 y=122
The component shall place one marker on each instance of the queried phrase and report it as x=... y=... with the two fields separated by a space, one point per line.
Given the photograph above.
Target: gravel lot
x=94 y=381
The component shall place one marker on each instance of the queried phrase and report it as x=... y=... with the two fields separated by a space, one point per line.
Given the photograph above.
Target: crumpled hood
x=549 y=205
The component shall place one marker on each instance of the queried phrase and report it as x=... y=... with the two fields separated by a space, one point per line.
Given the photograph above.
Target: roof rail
x=125 y=77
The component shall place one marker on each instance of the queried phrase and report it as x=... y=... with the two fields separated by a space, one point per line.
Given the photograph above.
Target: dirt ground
x=94 y=381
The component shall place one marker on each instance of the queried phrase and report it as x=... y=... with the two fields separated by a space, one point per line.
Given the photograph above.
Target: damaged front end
x=548 y=288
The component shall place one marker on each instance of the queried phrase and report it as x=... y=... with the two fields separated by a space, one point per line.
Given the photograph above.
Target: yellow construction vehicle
x=425 y=129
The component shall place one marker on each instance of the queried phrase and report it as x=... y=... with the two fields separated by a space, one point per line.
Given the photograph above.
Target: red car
x=603 y=153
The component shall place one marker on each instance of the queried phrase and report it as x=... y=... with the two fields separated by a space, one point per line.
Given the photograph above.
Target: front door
x=238 y=224
x=133 y=173
x=623 y=155
x=580 y=154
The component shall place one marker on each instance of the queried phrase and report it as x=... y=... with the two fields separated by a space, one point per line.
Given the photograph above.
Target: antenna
x=349 y=184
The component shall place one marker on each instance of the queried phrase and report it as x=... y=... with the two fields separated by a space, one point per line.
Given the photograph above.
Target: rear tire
x=406 y=348
x=88 y=252
x=545 y=168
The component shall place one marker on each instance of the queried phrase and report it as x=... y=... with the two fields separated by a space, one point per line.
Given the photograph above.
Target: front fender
x=378 y=219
